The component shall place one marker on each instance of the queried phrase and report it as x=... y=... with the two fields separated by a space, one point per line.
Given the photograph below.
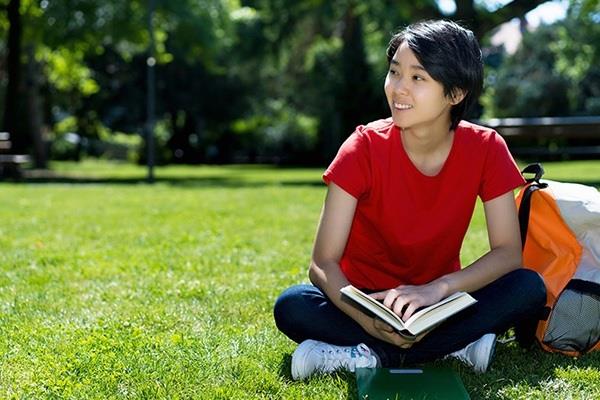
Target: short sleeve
x=500 y=171
x=350 y=169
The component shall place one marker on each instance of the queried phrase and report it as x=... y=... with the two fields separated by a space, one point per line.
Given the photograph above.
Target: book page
x=441 y=312
x=424 y=319
x=374 y=306
x=427 y=309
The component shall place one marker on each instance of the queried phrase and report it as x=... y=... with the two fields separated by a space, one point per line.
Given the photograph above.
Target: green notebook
x=429 y=383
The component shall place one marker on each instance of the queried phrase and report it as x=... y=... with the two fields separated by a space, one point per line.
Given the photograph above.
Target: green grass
x=111 y=288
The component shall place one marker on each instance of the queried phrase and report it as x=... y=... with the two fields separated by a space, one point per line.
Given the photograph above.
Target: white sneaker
x=313 y=356
x=478 y=354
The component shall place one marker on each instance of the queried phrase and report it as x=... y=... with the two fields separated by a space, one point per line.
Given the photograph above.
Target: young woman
x=401 y=194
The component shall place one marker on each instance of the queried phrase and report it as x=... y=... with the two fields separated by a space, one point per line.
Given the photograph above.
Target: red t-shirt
x=408 y=227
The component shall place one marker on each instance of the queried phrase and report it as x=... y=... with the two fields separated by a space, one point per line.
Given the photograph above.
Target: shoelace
x=337 y=357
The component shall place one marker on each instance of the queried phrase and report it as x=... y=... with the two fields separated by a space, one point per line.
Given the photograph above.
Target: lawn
x=112 y=288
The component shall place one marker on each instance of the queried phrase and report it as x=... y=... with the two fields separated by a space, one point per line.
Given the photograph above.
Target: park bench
x=10 y=163
x=550 y=137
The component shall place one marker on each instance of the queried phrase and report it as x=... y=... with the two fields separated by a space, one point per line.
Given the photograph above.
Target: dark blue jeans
x=304 y=312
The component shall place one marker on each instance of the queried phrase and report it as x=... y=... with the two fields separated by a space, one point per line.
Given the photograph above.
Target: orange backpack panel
x=551 y=248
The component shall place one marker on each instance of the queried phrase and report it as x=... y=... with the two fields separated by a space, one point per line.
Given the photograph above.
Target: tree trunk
x=483 y=22
x=358 y=102
x=34 y=110
x=13 y=102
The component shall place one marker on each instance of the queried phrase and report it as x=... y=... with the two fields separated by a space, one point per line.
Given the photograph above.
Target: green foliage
x=201 y=31
x=121 y=146
x=578 y=55
x=64 y=143
x=526 y=84
x=117 y=289
x=68 y=124
x=278 y=135
x=68 y=145
x=89 y=25
x=313 y=57
x=319 y=64
x=66 y=71
x=559 y=78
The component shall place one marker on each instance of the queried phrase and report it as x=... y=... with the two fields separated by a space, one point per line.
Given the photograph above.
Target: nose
x=400 y=85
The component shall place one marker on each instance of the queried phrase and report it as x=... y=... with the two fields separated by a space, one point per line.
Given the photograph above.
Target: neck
x=425 y=141
x=428 y=149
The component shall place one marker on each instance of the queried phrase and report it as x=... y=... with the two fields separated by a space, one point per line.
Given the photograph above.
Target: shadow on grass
x=232 y=181
x=192 y=182
x=530 y=370
x=285 y=372
x=523 y=371
x=285 y=367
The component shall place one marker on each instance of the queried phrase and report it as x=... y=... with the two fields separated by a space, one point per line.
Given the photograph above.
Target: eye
x=392 y=72
x=418 y=78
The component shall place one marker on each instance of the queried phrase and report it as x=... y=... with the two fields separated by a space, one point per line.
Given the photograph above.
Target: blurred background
x=271 y=81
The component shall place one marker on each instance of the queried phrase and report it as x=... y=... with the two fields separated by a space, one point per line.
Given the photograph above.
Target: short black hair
x=450 y=54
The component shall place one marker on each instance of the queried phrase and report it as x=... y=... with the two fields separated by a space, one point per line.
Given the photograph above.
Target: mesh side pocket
x=574 y=323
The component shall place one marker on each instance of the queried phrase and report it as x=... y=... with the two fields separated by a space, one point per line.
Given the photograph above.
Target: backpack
x=560 y=233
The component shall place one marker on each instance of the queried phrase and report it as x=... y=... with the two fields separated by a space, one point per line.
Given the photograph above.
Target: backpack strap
x=582 y=286
x=535 y=169
x=525 y=207
x=527 y=333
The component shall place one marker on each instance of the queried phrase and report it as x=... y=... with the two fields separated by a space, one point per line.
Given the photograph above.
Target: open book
x=421 y=321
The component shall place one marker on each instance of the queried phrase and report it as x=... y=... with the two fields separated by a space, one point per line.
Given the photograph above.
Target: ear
x=457 y=96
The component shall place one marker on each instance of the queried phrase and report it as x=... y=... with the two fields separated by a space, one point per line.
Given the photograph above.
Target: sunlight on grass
x=112 y=288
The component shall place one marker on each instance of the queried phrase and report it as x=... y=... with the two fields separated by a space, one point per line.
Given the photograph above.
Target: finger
x=410 y=309
x=399 y=306
x=382 y=326
x=383 y=293
x=390 y=298
x=402 y=342
x=421 y=336
x=379 y=295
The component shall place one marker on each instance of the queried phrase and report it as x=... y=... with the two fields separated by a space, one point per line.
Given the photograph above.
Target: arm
x=505 y=249
x=325 y=272
x=503 y=257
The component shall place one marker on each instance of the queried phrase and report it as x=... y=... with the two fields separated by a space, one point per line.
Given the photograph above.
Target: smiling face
x=415 y=98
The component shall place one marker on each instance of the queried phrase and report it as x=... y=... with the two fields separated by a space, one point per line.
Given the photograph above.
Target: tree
x=58 y=36
x=577 y=52
x=277 y=76
x=330 y=54
x=13 y=103
x=558 y=79
x=526 y=83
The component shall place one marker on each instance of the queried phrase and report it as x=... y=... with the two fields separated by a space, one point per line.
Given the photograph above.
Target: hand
x=382 y=331
x=405 y=299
